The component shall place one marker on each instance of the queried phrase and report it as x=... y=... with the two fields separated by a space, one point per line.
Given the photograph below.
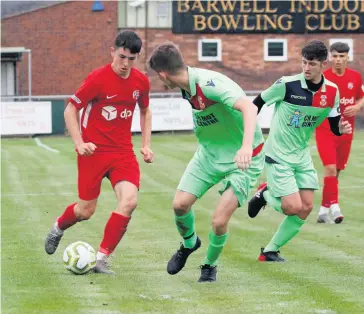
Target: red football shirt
x=109 y=101
x=350 y=88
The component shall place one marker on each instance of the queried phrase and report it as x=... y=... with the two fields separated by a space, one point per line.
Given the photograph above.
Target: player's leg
x=343 y=152
x=283 y=195
x=281 y=182
x=326 y=144
x=90 y=173
x=218 y=234
x=291 y=206
x=125 y=179
x=194 y=183
x=297 y=206
x=237 y=185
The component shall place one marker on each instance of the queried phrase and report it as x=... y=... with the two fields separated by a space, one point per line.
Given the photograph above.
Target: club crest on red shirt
x=136 y=94
x=323 y=100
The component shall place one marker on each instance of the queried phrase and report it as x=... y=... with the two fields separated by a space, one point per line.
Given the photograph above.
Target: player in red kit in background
x=334 y=150
x=104 y=147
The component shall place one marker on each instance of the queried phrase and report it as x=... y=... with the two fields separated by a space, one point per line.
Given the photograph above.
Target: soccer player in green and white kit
x=302 y=102
x=230 y=151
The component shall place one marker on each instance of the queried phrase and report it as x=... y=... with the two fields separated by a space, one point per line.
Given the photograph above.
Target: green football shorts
x=284 y=180
x=203 y=172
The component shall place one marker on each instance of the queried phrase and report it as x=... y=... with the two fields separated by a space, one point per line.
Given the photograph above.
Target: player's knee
x=127 y=206
x=219 y=225
x=330 y=171
x=180 y=207
x=306 y=211
x=85 y=211
x=291 y=209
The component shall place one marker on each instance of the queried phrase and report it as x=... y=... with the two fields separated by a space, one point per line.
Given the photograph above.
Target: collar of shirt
x=192 y=80
x=304 y=84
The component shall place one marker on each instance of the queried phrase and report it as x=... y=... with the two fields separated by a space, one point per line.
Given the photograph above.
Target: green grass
x=324 y=272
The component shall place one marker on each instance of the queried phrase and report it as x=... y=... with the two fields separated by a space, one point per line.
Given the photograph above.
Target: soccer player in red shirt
x=104 y=147
x=334 y=150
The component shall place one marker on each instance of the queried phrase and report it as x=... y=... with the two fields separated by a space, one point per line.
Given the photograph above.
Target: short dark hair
x=166 y=57
x=315 y=50
x=340 y=47
x=128 y=40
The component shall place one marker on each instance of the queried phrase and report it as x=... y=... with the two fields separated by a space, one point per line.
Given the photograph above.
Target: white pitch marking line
x=142 y=296
x=40 y=144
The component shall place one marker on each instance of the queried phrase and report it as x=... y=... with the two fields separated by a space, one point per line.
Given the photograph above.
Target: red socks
x=114 y=231
x=68 y=218
x=330 y=193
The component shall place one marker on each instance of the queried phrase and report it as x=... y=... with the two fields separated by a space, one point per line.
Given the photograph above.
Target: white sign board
x=265 y=116
x=168 y=114
x=28 y=117
x=173 y=114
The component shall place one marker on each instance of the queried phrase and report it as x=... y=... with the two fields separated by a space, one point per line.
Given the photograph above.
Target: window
x=132 y=14
x=209 y=50
x=348 y=41
x=7 y=78
x=275 y=50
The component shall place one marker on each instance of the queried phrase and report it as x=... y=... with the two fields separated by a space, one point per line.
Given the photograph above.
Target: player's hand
x=243 y=157
x=86 y=149
x=351 y=111
x=148 y=155
x=345 y=127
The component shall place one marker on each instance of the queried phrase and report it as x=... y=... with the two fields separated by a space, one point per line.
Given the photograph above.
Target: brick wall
x=69 y=40
x=243 y=56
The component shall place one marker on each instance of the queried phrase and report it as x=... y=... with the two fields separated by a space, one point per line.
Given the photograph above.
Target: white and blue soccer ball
x=79 y=257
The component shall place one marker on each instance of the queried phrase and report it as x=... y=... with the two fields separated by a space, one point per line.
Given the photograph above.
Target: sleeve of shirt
x=275 y=93
x=223 y=91
x=87 y=92
x=360 y=89
x=143 y=100
x=335 y=111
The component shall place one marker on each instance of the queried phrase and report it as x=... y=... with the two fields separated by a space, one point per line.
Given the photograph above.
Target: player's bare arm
x=71 y=118
x=352 y=111
x=249 y=111
x=146 y=127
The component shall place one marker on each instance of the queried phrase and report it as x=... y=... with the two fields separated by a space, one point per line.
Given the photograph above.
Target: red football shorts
x=333 y=150
x=115 y=166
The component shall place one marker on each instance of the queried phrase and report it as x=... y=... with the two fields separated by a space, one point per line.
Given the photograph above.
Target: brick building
x=68 y=39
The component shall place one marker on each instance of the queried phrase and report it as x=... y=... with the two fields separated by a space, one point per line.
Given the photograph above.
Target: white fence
x=169 y=113
x=26 y=117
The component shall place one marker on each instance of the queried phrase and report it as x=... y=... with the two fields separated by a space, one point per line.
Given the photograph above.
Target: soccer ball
x=79 y=257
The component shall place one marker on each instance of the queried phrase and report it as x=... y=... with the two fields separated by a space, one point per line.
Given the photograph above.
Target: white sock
x=59 y=231
x=335 y=208
x=100 y=255
x=324 y=210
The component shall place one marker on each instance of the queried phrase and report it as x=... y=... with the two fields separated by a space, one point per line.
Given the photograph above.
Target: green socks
x=216 y=244
x=275 y=202
x=186 y=228
x=290 y=226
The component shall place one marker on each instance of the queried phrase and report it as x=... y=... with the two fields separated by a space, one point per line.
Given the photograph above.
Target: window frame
x=283 y=58
x=202 y=58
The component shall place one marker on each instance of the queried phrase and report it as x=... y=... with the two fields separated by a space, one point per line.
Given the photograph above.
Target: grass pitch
x=324 y=272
